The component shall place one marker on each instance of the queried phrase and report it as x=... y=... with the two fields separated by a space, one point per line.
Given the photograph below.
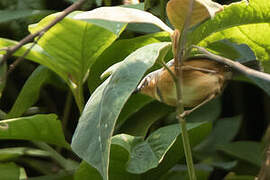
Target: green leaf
x=12 y=153
x=245 y=150
x=44 y=128
x=30 y=91
x=72 y=57
x=207 y=150
x=177 y=11
x=117 y=167
x=240 y=52
x=86 y=171
x=133 y=105
x=197 y=132
x=139 y=123
x=111 y=55
x=242 y=23
x=219 y=135
x=91 y=140
x=145 y=155
x=136 y=155
x=208 y=112
x=9 y=15
x=9 y=171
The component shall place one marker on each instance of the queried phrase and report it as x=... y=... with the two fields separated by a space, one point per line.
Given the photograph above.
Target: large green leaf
x=245 y=150
x=30 y=91
x=197 y=132
x=72 y=57
x=91 y=140
x=243 y=23
x=219 y=135
x=71 y=47
x=112 y=55
x=145 y=155
x=119 y=156
x=207 y=149
x=44 y=128
x=132 y=155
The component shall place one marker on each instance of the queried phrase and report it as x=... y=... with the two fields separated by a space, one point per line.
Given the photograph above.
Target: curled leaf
x=202 y=9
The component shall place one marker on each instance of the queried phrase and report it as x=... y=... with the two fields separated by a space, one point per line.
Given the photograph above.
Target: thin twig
x=19 y=59
x=31 y=37
x=234 y=65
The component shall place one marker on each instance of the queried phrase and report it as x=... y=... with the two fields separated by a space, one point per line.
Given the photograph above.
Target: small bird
x=203 y=79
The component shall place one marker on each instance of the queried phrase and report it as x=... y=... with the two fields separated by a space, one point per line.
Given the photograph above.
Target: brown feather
x=198 y=85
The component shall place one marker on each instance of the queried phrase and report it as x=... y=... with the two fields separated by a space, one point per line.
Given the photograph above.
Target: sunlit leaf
x=124 y=15
x=245 y=22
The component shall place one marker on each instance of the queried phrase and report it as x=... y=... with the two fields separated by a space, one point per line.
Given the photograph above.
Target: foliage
x=121 y=135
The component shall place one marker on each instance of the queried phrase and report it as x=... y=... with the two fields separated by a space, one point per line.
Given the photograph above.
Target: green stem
x=53 y=153
x=66 y=111
x=79 y=98
x=187 y=149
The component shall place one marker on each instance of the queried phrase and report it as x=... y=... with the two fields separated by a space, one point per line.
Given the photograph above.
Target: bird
x=202 y=80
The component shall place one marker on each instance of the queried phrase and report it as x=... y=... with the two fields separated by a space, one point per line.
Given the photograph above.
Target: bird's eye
x=228 y=68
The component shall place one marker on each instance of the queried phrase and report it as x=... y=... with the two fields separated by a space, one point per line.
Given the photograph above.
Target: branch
x=31 y=37
x=234 y=65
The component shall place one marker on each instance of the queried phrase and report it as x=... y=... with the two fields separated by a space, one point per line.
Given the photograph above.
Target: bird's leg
x=187 y=112
x=188 y=67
